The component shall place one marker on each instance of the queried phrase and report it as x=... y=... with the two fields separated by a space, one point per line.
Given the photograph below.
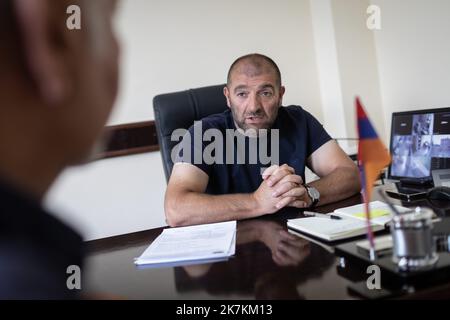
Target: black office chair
x=179 y=110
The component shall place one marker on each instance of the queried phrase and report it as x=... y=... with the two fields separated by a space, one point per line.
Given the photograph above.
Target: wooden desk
x=266 y=266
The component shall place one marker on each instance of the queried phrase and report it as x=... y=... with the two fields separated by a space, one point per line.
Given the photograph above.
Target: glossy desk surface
x=269 y=264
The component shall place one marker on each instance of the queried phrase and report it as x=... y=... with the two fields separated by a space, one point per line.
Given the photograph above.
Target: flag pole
x=372 y=253
x=370 y=237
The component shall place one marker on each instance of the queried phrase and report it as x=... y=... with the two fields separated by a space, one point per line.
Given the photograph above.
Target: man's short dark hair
x=258 y=61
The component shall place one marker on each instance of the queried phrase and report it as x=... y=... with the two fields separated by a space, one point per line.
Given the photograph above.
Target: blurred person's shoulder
x=36 y=250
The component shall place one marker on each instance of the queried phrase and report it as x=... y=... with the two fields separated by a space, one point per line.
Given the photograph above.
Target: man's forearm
x=340 y=184
x=191 y=208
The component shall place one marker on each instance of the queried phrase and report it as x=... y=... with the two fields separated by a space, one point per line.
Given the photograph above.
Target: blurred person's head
x=57 y=86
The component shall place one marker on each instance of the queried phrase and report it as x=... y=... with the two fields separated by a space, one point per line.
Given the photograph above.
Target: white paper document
x=187 y=245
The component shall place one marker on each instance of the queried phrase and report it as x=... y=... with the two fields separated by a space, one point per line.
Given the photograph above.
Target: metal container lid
x=419 y=218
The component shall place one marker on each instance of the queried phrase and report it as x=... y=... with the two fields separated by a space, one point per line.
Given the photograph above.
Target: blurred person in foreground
x=57 y=89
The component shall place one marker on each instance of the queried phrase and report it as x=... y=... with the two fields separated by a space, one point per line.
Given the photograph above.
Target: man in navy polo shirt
x=238 y=182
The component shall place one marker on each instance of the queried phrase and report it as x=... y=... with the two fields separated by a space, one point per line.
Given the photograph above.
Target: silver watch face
x=313 y=193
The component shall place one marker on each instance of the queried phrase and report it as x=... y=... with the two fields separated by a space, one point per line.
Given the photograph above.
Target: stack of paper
x=191 y=245
x=331 y=230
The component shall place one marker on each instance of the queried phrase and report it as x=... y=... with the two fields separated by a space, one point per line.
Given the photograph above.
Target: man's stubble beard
x=242 y=126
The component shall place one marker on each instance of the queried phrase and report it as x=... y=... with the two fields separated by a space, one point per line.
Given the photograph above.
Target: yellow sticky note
x=374 y=213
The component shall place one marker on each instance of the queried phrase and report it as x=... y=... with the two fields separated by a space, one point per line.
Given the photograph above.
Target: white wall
x=347 y=66
x=111 y=196
x=413 y=52
x=358 y=63
x=170 y=45
x=403 y=66
x=328 y=67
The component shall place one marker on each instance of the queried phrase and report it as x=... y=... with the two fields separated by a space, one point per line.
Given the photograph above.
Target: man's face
x=254 y=99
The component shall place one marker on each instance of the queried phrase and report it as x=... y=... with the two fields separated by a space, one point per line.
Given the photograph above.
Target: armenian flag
x=372 y=158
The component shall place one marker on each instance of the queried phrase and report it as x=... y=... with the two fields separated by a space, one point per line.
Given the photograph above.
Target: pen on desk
x=321 y=215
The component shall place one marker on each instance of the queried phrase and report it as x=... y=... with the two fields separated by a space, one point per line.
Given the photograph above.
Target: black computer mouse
x=439 y=193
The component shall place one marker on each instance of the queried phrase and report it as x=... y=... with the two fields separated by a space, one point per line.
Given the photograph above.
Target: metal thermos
x=414 y=246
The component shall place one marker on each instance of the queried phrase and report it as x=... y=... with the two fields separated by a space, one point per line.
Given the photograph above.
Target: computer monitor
x=420 y=143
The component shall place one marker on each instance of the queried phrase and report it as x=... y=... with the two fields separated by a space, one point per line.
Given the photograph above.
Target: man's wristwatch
x=314 y=194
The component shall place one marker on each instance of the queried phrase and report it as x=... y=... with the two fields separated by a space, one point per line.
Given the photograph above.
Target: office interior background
x=326 y=54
